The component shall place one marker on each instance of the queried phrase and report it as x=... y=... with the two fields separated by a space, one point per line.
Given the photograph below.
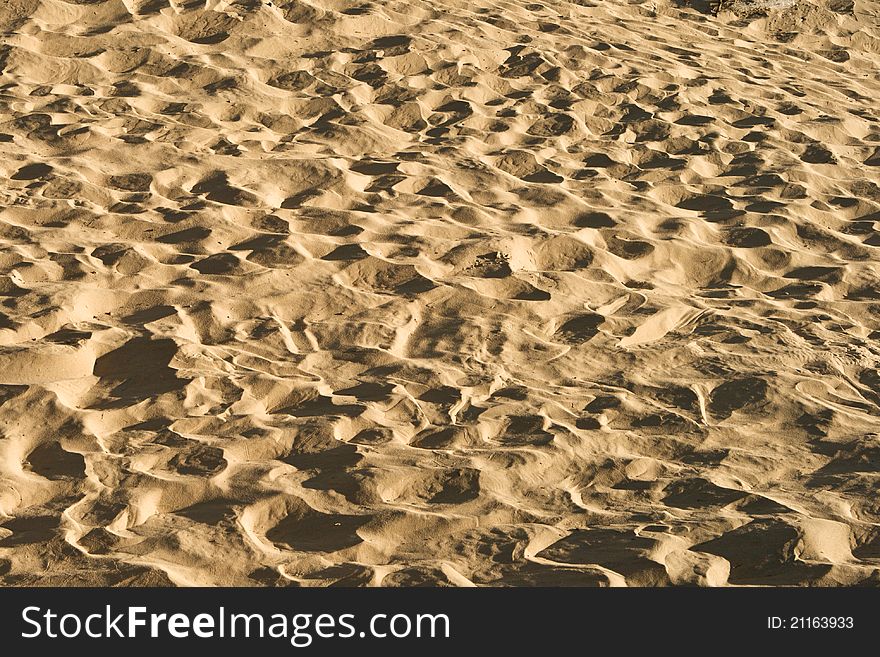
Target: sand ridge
x=446 y=293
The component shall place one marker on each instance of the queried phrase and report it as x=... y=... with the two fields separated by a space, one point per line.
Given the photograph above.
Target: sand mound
x=569 y=293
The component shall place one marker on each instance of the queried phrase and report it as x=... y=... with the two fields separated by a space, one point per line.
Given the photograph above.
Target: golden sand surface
x=485 y=292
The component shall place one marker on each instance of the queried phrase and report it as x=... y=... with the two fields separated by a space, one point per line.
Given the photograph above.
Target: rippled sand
x=445 y=293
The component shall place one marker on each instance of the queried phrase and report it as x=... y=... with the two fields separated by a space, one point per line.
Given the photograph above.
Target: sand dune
x=439 y=293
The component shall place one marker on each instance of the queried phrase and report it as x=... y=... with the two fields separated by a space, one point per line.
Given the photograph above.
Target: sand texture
x=447 y=292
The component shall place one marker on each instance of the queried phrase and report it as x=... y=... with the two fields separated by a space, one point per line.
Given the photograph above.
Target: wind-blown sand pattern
x=439 y=292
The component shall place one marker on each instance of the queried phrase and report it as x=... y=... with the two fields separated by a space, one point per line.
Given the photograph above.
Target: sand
x=439 y=293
